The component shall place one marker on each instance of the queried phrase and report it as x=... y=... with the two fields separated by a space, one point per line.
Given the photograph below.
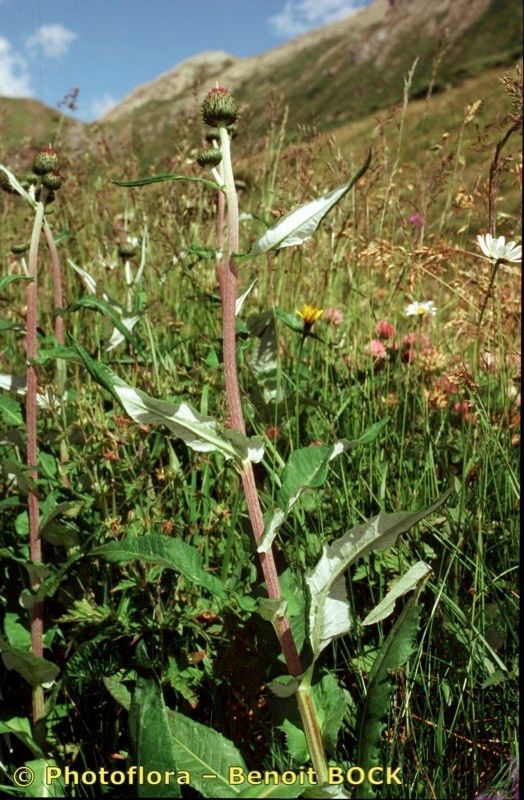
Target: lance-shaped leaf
x=168 y=176
x=7 y=279
x=329 y=609
x=243 y=297
x=393 y=654
x=163 y=551
x=15 y=183
x=117 y=337
x=199 y=432
x=413 y=577
x=87 y=279
x=300 y=224
x=150 y=737
x=103 y=307
x=307 y=468
x=35 y=670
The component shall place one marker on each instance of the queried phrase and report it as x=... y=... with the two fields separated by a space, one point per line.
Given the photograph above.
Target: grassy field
x=446 y=388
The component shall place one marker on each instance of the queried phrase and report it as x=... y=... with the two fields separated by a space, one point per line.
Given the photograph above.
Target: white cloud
x=101 y=105
x=15 y=80
x=54 y=40
x=298 y=16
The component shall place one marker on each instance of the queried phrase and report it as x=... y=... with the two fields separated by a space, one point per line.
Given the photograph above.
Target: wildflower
x=309 y=314
x=463 y=408
x=334 y=315
x=417 y=220
x=385 y=329
x=376 y=350
x=499 y=249
x=417 y=309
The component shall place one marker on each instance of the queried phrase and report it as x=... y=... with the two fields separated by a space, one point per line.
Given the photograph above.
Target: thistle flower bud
x=47 y=197
x=5 y=184
x=52 y=180
x=127 y=250
x=46 y=161
x=31 y=178
x=209 y=158
x=219 y=109
x=19 y=249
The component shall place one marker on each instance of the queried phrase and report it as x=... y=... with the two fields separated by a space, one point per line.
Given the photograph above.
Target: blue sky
x=107 y=47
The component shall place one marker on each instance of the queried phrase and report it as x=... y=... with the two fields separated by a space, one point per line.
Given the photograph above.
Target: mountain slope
x=340 y=72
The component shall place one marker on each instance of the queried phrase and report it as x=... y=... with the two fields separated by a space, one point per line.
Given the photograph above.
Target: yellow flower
x=309 y=314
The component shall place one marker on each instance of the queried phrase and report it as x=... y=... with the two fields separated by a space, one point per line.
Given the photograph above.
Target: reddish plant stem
x=58 y=303
x=57 y=283
x=228 y=289
x=35 y=545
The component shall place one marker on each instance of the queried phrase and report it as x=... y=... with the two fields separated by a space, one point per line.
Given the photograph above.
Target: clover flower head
x=334 y=315
x=376 y=349
x=385 y=329
x=499 y=249
x=417 y=219
x=418 y=309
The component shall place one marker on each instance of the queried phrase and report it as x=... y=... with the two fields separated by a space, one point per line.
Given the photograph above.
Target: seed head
x=219 y=109
x=46 y=161
x=209 y=158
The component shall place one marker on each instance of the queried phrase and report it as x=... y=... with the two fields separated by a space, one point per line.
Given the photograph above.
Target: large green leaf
x=163 y=551
x=199 y=432
x=300 y=224
x=329 y=607
x=150 y=735
x=168 y=176
x=307 y=468
x=393 y=654
x=412 y=578
x=10 y=411
x=33 y=669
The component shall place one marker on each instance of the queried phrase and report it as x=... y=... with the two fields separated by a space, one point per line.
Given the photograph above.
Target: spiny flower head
x=52 y=180
x=418 y=309
x=219 y=109
x=309 y=314
x=499 y=249
x=46 y=161
x=209 y=158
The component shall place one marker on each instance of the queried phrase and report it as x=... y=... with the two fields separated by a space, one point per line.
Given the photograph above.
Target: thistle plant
x=45 y=180
x=320 y=612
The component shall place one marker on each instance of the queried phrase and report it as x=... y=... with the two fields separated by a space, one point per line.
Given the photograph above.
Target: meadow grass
x=451 y=406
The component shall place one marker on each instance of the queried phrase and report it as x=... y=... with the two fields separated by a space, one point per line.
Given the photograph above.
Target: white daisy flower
x=499 y=249
x=417 y=309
